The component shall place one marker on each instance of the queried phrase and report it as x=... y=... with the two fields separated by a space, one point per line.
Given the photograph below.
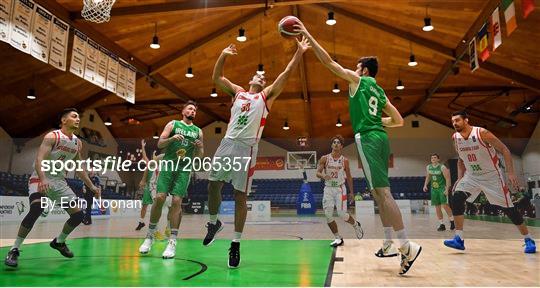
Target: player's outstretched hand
x=303 y=45
x=230 y=50
x=300 y=28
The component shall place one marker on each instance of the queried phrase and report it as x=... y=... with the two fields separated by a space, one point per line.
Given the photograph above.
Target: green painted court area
x=503 y=219
x=116 y=262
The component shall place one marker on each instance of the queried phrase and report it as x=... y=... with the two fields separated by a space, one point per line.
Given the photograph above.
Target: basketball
x=286 y=26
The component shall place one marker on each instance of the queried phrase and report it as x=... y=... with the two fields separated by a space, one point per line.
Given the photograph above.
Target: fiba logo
x=306 y=205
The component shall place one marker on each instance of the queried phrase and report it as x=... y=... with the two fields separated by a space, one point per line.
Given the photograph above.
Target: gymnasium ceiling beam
x=449 y=53
x=156 y=67
x=460 y=51
x=167 y=84
x=204 y=6
x=141 y=67
x=432 y=45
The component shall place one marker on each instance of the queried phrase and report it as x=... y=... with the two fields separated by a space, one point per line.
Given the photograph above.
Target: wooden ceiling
x=196 y=31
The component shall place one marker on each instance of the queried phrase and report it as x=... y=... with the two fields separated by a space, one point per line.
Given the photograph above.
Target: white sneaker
x=358 y=230
x=409 y=253
x=388 y=250
x=170 y=251
x=146 y=246
x=337 y=242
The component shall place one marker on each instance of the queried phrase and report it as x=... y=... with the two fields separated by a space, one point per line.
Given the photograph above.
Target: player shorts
x=438 y=197
x=491 y=183
x=374 y=150
x=147 y=198
x=173 y=182
x=59 y=190
x=236 y=164
x=335 y=197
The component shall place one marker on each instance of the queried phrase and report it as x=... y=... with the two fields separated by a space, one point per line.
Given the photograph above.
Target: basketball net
x=97 y=11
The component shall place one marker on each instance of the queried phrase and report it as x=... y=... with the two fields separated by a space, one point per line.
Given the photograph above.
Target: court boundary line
x=328 y=280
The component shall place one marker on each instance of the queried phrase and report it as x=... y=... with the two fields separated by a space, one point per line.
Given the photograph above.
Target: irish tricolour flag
x=509 y=16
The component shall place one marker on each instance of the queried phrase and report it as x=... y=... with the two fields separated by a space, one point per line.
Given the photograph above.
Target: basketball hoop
x=97 y=11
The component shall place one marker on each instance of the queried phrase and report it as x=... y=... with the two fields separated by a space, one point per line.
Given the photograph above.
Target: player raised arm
x=320 y=169
x=164 y=139
x=394 y=118
x=43 y=152
x=325 y=58
x=492 y=140
x=275 y=89
x=218 y=76
x=144 y=157
x=349 y=179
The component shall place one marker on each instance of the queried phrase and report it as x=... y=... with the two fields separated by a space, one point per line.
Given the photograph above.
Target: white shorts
x=237 y=161
x=492 y=184
x=335 y=197
x=58 y=188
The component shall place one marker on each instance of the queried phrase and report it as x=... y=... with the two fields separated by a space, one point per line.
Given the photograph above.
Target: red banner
x=270 y=163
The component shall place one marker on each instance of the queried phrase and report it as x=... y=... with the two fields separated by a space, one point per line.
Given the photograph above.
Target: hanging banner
x=496 y=29
x=473 y=57
x=41 y=34
x=121 y=84
x=21 y=21
x=5 y=19
x=78 y=54
x=112 y=73
x=131 y=81
x=92 y=55
x=59 y=44
x=101 y=75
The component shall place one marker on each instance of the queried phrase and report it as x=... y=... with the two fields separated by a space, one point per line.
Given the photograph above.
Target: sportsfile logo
x=185 y=164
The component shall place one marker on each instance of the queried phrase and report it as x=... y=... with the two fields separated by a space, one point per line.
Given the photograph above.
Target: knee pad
x=34 y=213
x=75 y=219
x=458 y=202
x=514 y=215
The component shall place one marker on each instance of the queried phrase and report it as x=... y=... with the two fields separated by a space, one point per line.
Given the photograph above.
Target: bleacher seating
x=284 y=192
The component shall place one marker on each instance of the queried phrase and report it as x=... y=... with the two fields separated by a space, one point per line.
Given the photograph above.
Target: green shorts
x=438 y=197
x=173 y=182
x=147 y=197
x=374 y=150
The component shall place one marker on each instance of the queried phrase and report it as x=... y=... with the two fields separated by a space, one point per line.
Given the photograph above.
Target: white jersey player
x=59 y=145
x=334 y=169
x=479 y=171
x=237 y=152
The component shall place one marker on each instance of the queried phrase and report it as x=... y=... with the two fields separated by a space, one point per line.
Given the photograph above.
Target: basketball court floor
x=286 y=251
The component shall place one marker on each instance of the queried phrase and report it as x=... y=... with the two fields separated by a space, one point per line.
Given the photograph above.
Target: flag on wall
x=496 y=29
x=509 y=16
x=483 y=43
x=473 y=57
x=527 y=6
